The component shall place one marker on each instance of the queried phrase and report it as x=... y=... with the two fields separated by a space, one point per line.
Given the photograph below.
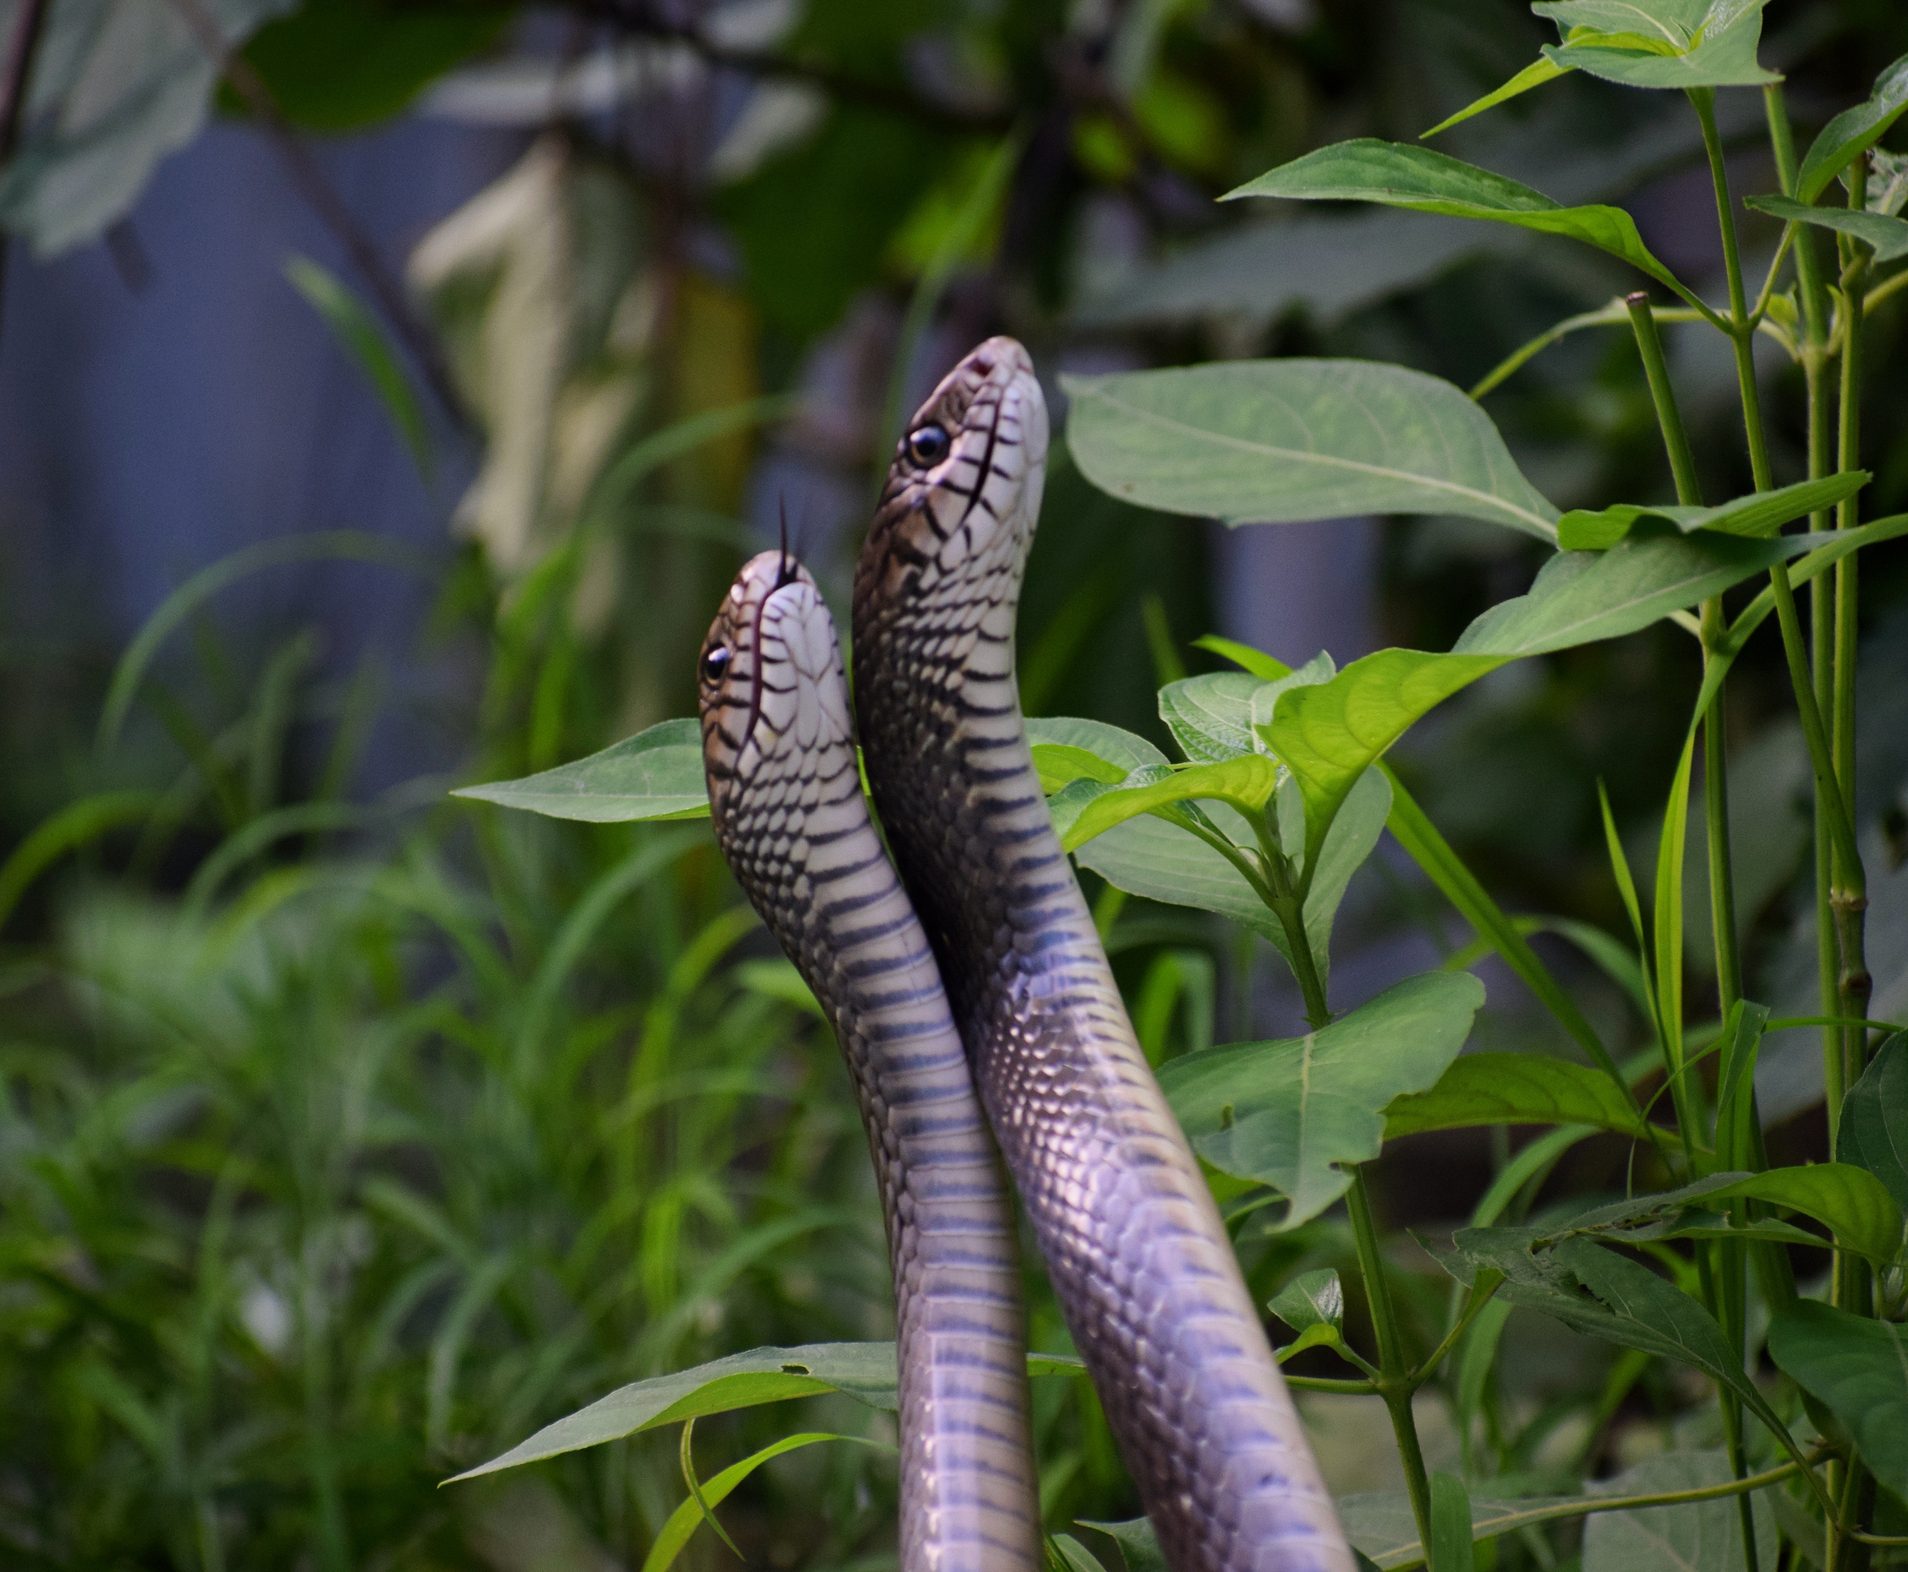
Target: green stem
x=1479 y=1298
x=1394 y=1370
x=1558 y=1511
x=1395 y=1374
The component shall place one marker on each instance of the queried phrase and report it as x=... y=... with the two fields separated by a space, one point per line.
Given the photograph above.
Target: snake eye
x=928 y=445
x=715 y=661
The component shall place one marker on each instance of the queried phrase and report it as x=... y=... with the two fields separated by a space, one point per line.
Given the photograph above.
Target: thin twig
x=318 y=192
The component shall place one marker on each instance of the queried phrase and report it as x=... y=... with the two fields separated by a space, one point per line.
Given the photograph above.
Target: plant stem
x=1394 y=1384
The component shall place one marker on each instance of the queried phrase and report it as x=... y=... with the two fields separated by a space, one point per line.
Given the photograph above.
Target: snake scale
x=1131 y=1239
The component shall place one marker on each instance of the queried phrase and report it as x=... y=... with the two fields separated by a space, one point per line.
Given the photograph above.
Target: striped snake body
x=1139 y=1259
x=791 y=820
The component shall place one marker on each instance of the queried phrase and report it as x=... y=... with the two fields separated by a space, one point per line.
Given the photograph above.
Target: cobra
x=1140 y=1261
x=792 y=823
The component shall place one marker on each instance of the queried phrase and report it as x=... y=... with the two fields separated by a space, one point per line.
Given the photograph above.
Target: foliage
x=359 y=1140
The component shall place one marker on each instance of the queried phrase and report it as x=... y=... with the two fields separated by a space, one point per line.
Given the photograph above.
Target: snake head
x=771 y=690
x=964 y=487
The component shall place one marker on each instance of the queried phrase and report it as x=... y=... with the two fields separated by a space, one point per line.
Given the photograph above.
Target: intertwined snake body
x=792 y=822
x=1138 y=1256
x=1133 y=1243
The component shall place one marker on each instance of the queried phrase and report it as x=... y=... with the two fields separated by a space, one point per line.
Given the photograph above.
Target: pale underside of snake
x=1133 y=1243
x=790 y=817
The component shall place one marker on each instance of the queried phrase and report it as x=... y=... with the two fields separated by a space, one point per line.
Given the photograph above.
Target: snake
x=1132 y=1240
x=792 y=823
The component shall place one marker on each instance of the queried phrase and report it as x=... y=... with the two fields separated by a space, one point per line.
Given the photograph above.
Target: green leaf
x=1873 y=1131
x=116 y=86
x=1210 y=716
x=342 y=65
x=1284 y=440
x=1381 y=1523
x=657 y=774
x=1074 y=1556
x=1885 y=235
x=1330 y=733
x=1691 y=1536
x=1138 y=1544
x=1396 y=174
x=1294 y=1113
x=863 y=1371
x=1538 y=72
x=680 y=1526
x=362 y=337
x=1246 y=783
x=1661 y=43
x=1312 y=1299
x=1858 y=1369
x=1606 y=1295
x=1450 y=1545
x=1058 y=765
x=1760 y=514
x=1514 y=1088
x=1853 y=131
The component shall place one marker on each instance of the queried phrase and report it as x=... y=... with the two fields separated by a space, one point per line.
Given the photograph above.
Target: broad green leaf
x=1857 y=1368
x=1121 y=752
x=1245 y=782
x=1538 y=72
x=1277 y=441
x=1885 y=235
x=1873 y=1132
x=657 y=774
x=1760 y=514
x=1396 y=174
x=1350 y=841
x=1514 y=1088
x=1450 y=1545
x=358 y=331
x=1329 y=733
x=1691 y=1536
x=1058 y=765
x=1660 y=43
x=1294 y=1113
x=1853 y=131
x=1210 y=716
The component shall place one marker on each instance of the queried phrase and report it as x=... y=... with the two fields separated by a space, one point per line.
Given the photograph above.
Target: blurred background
x=389 y=389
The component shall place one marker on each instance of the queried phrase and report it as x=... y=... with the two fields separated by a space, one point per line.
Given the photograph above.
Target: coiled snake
x=1135 y=1248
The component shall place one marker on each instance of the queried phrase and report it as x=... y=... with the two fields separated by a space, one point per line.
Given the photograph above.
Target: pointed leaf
x=1246 y=783
x=1853 y=131
x=1294 y=1113
x=1275 y=441
x=1329 y=733
x=1396 y=174
x=1858 y=1368
x=1312 y=1299
x=1885 y=235
x=1760 y=514
x=1873 y=1132
x=1538 y=72
x=1514 y=1088
x=657 y=774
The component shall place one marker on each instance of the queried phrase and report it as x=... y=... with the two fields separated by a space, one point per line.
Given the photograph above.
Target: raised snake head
x=963 y=490
x=773 y=698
